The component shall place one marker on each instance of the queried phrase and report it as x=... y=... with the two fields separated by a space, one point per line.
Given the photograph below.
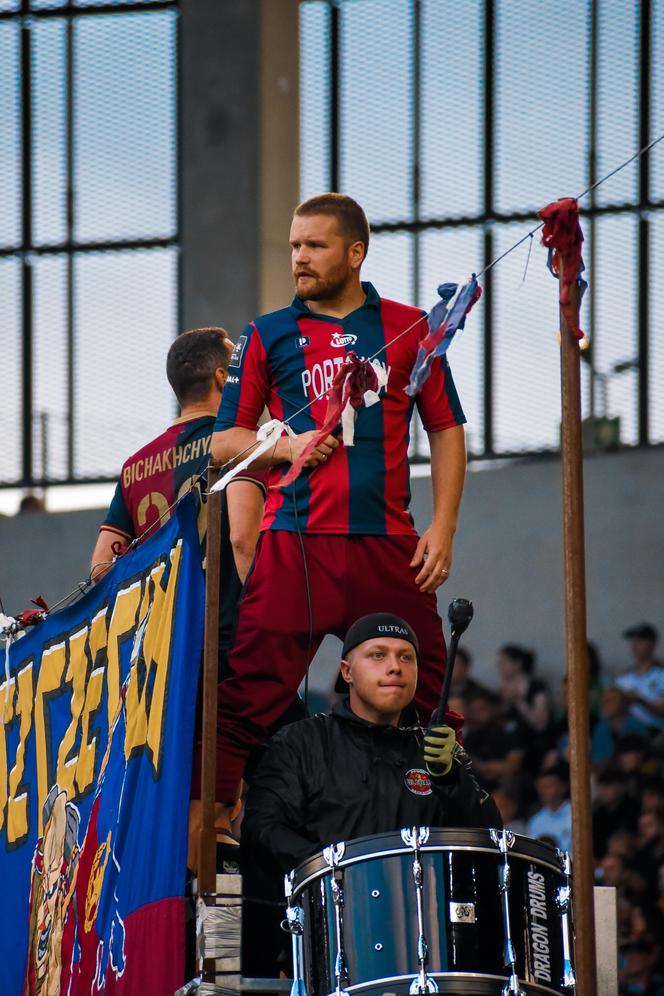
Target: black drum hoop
x=346 y=862
x=456 y=984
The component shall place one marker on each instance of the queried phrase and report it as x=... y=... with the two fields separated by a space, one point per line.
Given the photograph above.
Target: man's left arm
x=448 y=472
x=245 y=501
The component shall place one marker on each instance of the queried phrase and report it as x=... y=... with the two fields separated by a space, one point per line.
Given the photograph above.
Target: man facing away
x=339 y=542
x=165 y=469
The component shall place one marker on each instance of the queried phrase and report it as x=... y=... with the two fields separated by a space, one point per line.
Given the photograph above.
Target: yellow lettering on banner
x=158 y=637
x=139 y=677
x=85 y=769
x=146 y=689
x=155 y=500
x=17 y=803
x=77 y=672
x=138 y=470
x=121 y=628
x=51 y=673
x=7 y=714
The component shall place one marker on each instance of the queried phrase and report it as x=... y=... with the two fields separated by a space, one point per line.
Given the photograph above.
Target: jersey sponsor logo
x=232 y=379
x=418 y=782
x=341 y=339
x=302 y=341
x=321 y=375
x=238 y=350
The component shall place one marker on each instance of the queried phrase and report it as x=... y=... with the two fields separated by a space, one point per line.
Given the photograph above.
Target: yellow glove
x=439 y=744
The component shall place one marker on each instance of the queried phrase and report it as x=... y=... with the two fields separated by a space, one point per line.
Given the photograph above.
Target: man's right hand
x=290 y=448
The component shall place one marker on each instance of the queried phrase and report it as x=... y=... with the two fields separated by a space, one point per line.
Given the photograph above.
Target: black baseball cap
x=375 y=625
x=641 y=631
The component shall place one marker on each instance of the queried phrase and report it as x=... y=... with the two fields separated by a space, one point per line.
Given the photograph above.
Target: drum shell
x=462 y=912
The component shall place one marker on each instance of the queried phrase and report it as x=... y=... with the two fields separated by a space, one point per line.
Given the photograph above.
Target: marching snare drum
x=450 y=911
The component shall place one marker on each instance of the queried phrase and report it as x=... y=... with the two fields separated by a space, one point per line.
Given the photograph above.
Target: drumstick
x=460 y=614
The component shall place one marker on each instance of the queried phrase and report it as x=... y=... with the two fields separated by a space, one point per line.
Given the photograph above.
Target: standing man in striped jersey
x=339 y=542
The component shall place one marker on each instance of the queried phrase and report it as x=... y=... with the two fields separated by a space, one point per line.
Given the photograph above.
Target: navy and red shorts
x=281 y=625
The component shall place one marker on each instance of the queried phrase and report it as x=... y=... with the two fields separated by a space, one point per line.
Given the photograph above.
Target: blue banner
x=95 y=767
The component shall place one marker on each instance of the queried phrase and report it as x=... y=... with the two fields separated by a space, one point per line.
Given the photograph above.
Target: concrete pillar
x=239 y=117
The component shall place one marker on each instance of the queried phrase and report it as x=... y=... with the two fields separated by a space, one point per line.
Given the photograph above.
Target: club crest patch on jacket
x=418 y=782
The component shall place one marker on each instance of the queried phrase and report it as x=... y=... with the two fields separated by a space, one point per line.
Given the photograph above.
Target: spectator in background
x=613 y=723
x=638 y=968
x=508 y=797
x=496 y=750
x=652 y=796
x=633 y=758
x=650 y=848
x=554 y=818
x=462 y=684
x=595 y=681
x=612 y=810
x=527 y=702
x=644 y=683
x=31 y=502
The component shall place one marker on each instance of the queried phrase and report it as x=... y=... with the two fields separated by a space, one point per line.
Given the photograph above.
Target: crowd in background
x=517 y=737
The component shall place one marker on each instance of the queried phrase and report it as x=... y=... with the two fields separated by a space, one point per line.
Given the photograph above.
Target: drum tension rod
x=504 y=840
x=563 y=903
x=294 y=924
x=333 y=856
x=422 y=983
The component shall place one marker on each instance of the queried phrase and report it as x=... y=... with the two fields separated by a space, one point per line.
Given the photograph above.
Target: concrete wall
x=508 y=557
x=239 y=117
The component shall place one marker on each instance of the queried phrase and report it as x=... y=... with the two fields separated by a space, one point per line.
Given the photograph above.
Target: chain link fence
x=452 y=124
x=88 y=233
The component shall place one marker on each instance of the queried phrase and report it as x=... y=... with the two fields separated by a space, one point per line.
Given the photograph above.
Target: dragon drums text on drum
x=450 y=911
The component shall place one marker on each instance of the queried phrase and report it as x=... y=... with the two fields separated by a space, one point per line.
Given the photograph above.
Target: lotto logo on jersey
x=342 y=339
x=418 y=782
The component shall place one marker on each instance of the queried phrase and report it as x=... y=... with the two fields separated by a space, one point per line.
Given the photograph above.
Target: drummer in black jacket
x=365 y=768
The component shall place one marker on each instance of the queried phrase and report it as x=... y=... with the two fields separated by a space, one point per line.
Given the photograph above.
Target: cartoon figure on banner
x=52 y=894
x=100 y=948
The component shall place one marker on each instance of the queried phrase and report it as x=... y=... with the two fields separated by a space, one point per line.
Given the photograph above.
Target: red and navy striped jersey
x=288 y=358
x=157 y=474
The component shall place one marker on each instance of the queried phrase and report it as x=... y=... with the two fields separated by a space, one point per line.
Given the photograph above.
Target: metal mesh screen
x=452 y=125
x=88 y=233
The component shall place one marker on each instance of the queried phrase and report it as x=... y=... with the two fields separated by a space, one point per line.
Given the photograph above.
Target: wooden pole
x=207 y=867
x=577 y=659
